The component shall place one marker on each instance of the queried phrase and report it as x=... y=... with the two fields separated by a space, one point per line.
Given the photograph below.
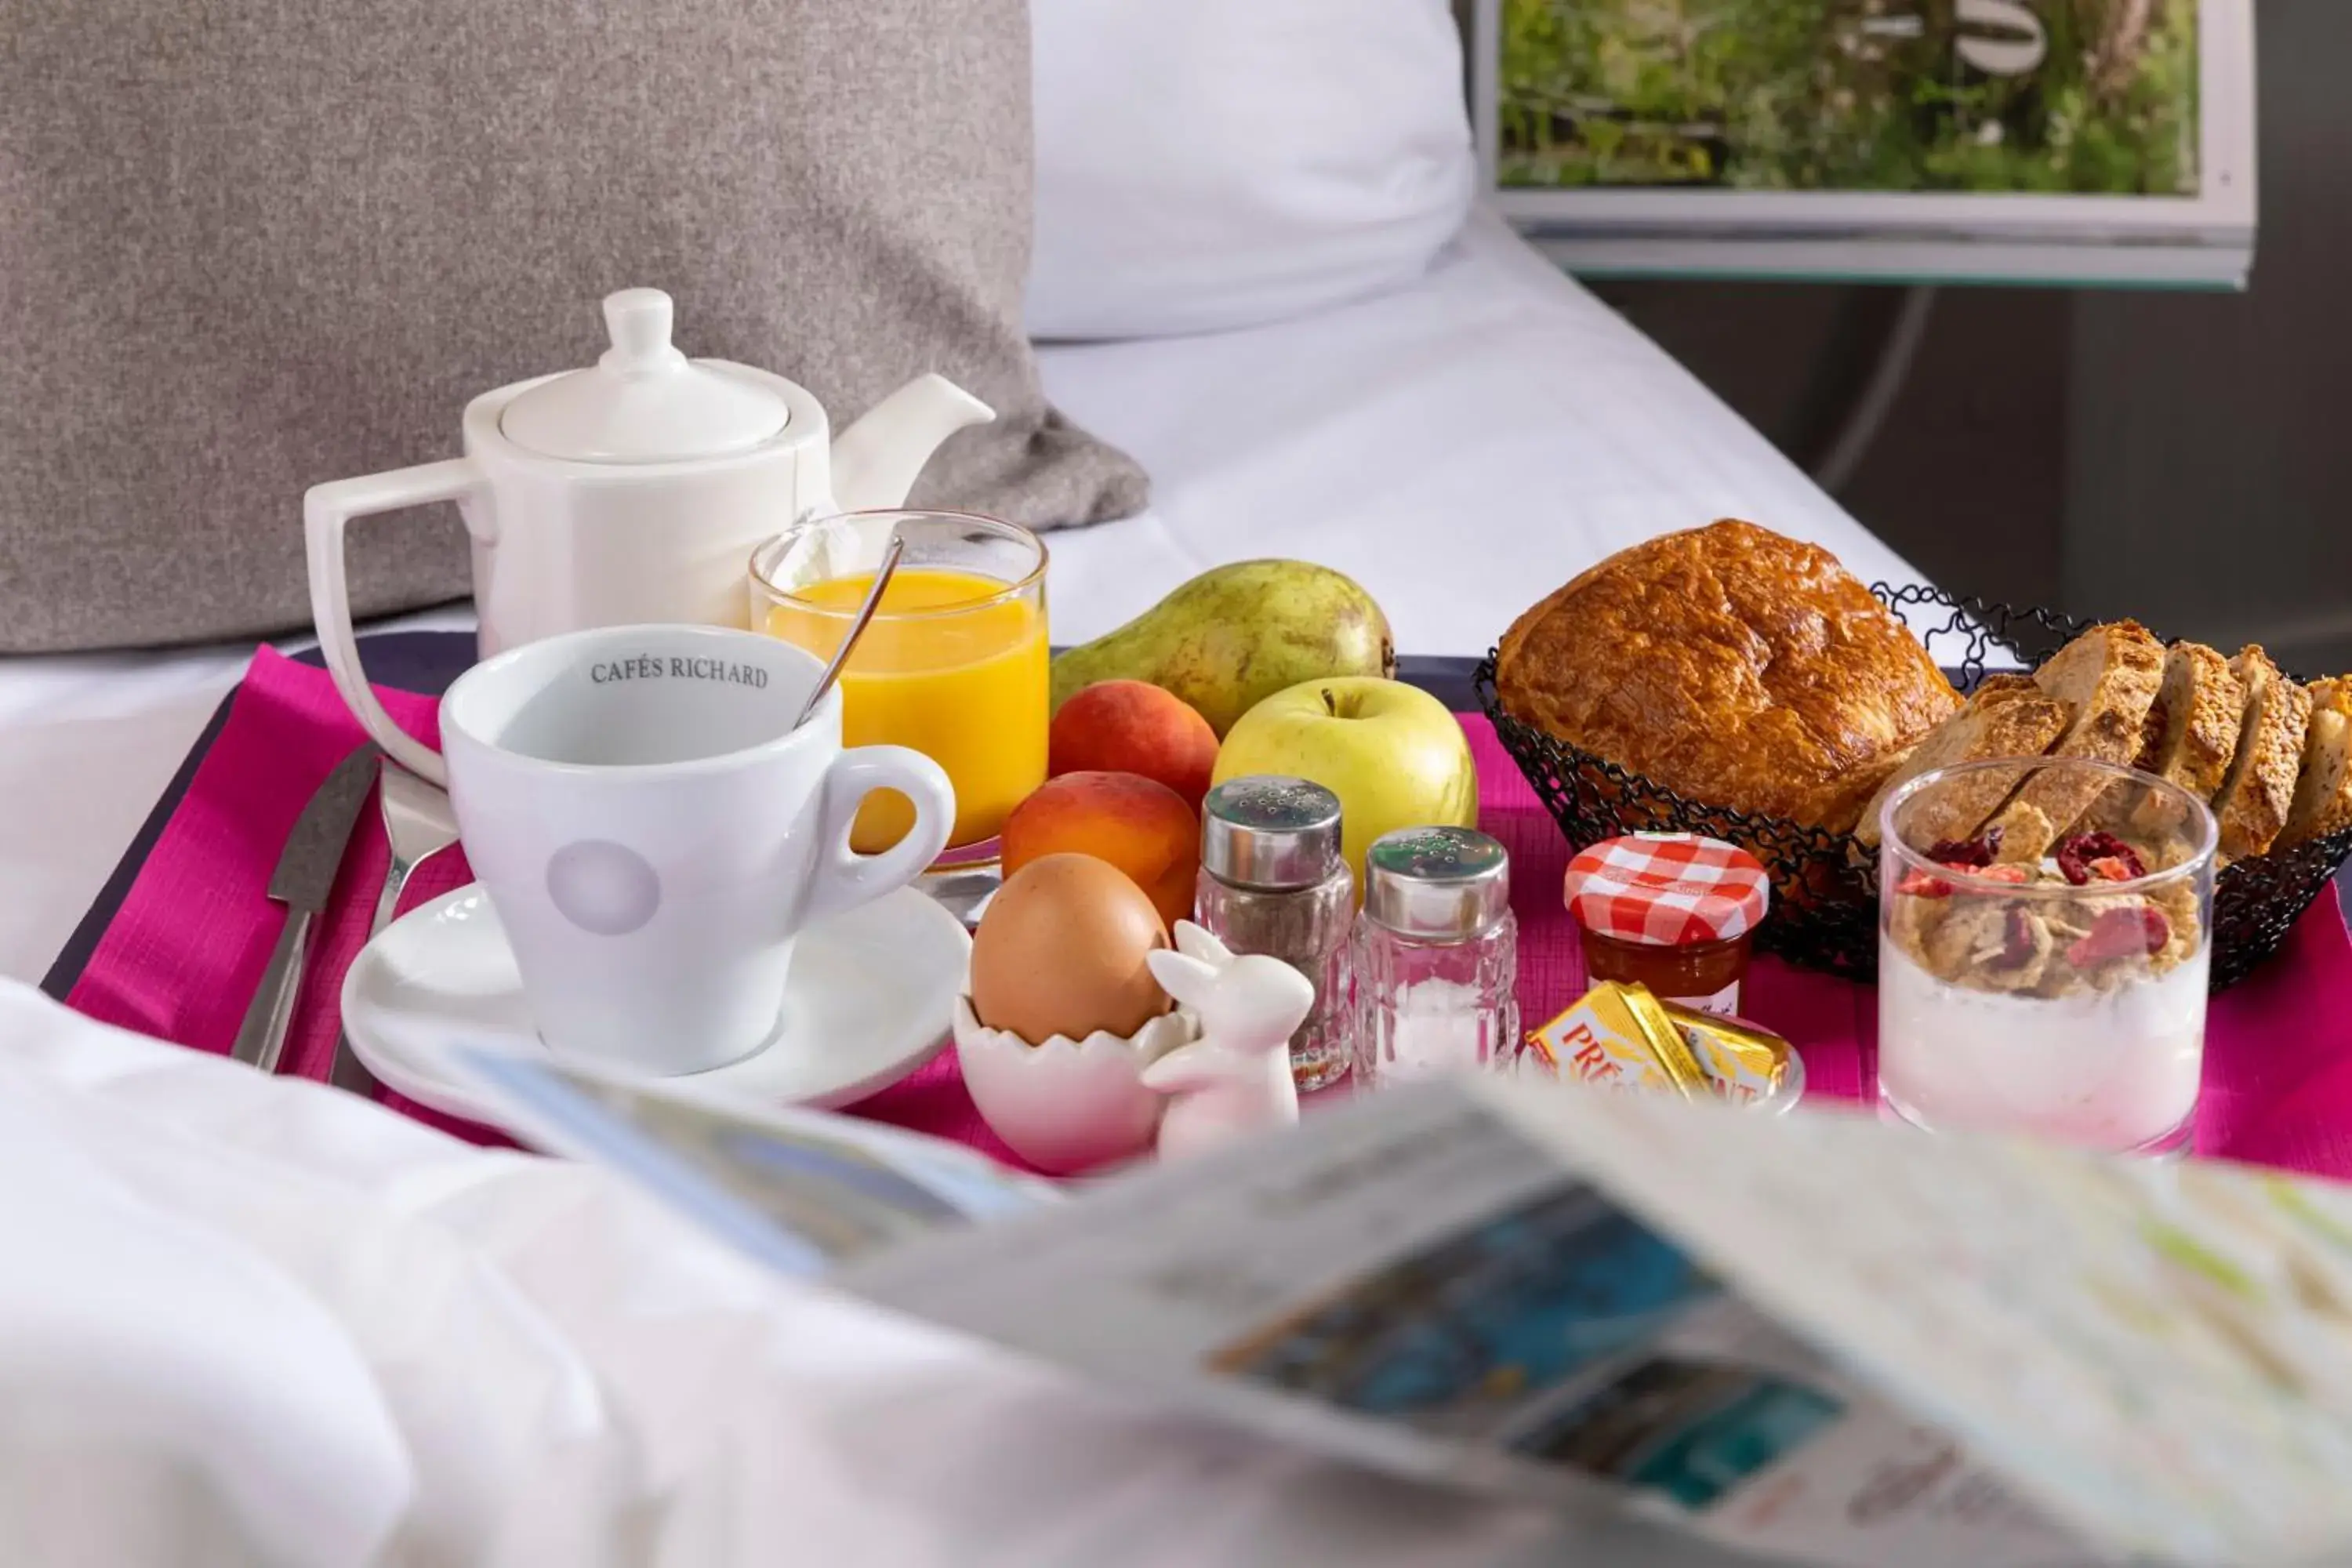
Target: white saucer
x=870 y=999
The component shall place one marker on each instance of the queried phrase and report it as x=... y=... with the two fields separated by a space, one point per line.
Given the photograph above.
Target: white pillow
x=1213 y=163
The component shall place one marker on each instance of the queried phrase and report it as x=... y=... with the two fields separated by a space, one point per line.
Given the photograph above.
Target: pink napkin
x=184 y=955
x=182 y=958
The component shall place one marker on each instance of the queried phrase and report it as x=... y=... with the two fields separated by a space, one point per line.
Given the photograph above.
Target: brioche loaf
x=1734 y=665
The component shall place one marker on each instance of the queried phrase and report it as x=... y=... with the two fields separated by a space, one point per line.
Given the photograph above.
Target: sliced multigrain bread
x=2202 y=705
x=2258 y=792
x=2108 y=678
x=2192 y=735
x=2006 y=716
x=2323 y=795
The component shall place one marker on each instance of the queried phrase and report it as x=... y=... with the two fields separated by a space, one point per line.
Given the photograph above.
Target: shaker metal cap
x=1270 y=831
x=1443 y=884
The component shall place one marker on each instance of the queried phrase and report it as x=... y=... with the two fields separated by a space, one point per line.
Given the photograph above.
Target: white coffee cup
x=654 y=832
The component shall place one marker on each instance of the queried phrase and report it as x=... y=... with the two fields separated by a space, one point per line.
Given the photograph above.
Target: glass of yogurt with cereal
x=2039 y=979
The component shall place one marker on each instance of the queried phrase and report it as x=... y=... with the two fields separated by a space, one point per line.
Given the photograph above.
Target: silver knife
x=305 y=875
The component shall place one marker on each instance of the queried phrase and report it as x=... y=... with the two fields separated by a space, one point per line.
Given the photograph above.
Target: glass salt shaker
x=1273 y=882
x=1436 y=957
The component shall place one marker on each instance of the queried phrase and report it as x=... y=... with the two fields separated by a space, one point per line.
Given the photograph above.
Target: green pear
x=1237 y=634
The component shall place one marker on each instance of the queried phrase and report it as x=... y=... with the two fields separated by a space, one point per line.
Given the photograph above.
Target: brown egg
x=1060 y=952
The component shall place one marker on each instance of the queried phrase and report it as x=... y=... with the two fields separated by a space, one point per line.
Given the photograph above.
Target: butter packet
x=1667 y=1043
x=1611 y=1036
x=1743 y=1064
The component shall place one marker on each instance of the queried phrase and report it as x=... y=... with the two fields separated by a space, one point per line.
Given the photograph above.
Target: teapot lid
x=643 y=401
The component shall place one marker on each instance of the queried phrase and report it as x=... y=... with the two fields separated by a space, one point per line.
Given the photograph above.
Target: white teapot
x=627 y=493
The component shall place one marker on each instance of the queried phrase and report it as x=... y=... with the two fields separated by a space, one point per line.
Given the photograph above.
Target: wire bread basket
x=1825 y=885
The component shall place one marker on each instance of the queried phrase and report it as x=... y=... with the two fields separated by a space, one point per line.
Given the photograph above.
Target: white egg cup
x=1067 y=1106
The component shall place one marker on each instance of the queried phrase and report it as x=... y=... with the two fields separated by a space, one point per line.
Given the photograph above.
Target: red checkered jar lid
x=1668 y=890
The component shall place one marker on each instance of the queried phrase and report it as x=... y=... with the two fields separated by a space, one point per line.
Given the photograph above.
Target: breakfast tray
x=178 y=941
x=1825 y=884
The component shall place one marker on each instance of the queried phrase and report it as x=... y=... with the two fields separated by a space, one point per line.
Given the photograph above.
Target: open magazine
x=2043 y=141
x=1811 y=1337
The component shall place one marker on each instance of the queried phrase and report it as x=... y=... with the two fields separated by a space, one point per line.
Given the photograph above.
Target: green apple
x=1391 y=753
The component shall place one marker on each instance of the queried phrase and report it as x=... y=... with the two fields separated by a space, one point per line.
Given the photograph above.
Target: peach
x=1139 y=825
x=1134 y=726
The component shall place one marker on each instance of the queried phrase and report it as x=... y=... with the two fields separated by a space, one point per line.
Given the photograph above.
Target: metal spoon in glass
x=857 y=625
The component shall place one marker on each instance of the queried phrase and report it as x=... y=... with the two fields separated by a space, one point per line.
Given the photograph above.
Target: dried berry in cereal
x=2135 y=930
x=2098 y=856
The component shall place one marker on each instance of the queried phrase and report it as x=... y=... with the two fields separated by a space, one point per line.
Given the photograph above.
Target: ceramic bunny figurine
x=1235 y=1078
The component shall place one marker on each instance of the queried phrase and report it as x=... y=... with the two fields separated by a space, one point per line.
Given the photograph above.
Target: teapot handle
x=326 y=510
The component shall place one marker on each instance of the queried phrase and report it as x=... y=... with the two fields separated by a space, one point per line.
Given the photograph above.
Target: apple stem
x=1330 y=703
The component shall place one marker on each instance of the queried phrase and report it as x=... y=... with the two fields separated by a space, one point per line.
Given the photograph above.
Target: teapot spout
x=875 y=461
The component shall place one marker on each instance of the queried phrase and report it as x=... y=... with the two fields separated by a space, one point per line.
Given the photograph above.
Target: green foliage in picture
x=2093 y=97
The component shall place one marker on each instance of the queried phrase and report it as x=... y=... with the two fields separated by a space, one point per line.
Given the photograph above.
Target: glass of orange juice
x=954 y=664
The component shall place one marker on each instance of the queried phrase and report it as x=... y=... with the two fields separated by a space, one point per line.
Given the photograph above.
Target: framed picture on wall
x=2017 y=140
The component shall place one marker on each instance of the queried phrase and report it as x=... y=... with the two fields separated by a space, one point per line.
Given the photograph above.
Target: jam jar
x=1673 y=912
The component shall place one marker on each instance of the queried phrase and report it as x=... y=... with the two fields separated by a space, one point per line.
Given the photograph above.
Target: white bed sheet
x=1458 y=447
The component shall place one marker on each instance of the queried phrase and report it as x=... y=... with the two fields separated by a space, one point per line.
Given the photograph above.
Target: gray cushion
x=246 y=246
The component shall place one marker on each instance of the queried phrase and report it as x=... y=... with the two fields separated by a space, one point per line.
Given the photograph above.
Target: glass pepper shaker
x=1273 y=882
x=1436 y=957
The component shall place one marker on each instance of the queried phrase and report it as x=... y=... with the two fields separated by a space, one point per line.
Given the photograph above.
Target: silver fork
x=420 y=825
